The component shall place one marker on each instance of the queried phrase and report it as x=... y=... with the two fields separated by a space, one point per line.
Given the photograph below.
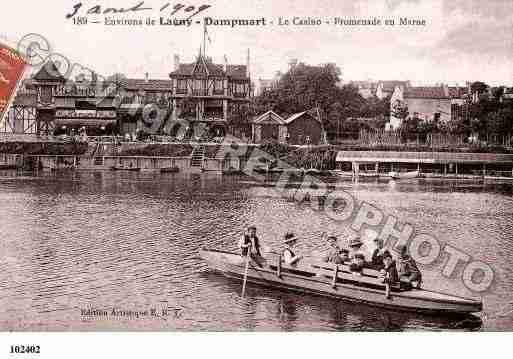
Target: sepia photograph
x=255 y=166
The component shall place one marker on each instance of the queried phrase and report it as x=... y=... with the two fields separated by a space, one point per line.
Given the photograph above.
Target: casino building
x=205 y=93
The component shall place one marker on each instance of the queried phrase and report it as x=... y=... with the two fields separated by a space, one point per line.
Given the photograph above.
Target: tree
x=479 y=87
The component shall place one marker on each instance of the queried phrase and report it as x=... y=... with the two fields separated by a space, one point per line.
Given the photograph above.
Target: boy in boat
x=357 y=264
x=249 y=241
x=334 y=254
x=378 y=254
x=409 y=273
x=357 y=256
x=288 y=255
x=389 y=272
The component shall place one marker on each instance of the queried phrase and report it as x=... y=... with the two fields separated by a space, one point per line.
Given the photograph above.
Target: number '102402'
x=25 y=349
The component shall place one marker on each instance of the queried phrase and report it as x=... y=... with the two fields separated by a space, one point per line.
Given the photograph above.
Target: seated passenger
x=378 y=254
x=409 y=273
x=288 y=255
x=334 y=253
x=355 y=246
x=344 y=255
x=389 y=272
x=357 y=264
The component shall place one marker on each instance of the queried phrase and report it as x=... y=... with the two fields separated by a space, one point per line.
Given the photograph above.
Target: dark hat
x=403 y=249
x=355 y=242
x=289 y=237
x=331 y=238
x=359 y=256
x=343 y=250
x=386 y=254
x=251 y=227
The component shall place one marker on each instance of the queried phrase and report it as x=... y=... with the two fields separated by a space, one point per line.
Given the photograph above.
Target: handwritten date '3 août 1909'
x=79 y=10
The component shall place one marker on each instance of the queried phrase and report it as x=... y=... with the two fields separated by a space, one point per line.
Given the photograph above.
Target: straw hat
x=331 y=239
x=359 y=256
x=289 y=238
x=356 y=242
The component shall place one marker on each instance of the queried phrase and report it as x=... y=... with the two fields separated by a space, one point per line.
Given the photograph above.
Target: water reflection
x=102 y=239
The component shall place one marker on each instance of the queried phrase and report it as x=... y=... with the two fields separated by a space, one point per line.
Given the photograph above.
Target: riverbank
x=71 y=153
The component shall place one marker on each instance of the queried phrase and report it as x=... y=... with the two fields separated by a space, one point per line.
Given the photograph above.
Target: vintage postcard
x=215 y=165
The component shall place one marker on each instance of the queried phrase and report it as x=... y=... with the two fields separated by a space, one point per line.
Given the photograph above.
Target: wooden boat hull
x=404 y=175
x=133 y=169
x=415 y=300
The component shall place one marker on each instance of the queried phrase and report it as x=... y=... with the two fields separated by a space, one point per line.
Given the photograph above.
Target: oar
x=387 y=286
x=246 y=271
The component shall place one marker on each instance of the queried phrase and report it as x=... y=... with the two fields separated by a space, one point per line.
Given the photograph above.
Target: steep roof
x=391 y=85
x=434 y=92
x=233 y=71
x=269 y=117
x=295 y=116
x=364 y=84
x=49 y=72
x=149 y=85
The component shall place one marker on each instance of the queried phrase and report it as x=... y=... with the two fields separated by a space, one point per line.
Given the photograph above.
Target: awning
x=422 y=157
x=87 y=122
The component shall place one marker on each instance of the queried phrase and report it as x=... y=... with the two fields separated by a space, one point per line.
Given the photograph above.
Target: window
x=218 y=86
x=239 y=89
x=437 y=116
x=46 y=94
x=181 y=86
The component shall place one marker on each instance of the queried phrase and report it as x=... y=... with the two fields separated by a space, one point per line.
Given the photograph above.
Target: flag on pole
x=207 y=36
x=12 y=68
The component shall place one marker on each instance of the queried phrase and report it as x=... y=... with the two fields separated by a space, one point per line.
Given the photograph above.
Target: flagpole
x=204 y=39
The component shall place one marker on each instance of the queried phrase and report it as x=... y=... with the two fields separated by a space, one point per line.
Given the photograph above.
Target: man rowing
x=249 y=242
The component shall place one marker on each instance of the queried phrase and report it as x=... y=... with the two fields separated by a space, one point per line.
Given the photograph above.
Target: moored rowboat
x=403 y=175
x=337 y=281
x=122 y=168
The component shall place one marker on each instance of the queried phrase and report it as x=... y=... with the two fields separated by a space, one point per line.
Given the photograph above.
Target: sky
x=463 y=40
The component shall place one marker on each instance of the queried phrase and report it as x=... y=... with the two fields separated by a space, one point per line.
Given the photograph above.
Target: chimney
x=147 y=77
x=248 y=73
x=225 y=64
x=292 y=64
x=177 y=62
x=445 y=89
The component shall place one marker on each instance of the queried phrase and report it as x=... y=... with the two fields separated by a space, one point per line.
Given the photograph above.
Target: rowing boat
x=123 y=168
x=403 y=175
x=337 y=281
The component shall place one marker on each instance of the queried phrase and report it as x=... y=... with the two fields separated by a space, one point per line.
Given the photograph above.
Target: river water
x=119 y=245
